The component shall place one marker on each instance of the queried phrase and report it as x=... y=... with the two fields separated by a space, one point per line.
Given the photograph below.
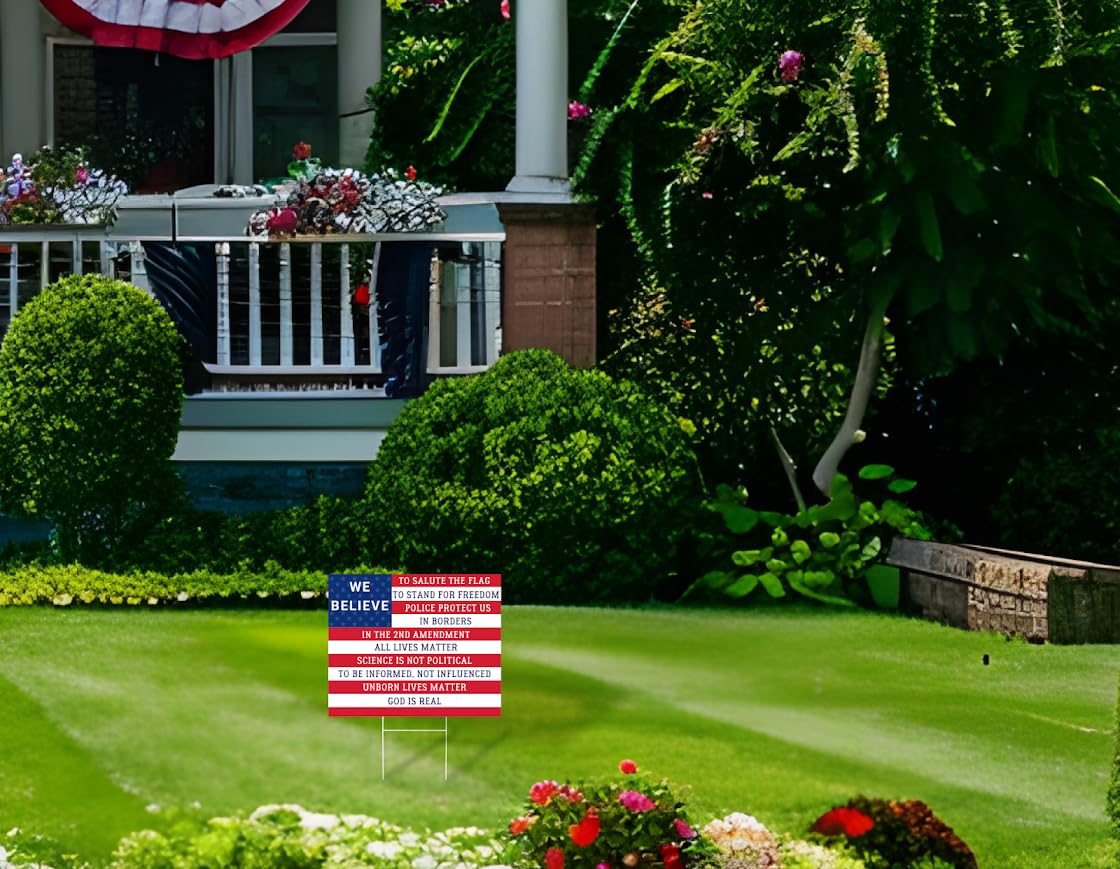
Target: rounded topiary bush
x=575 y=487
x=91 y=393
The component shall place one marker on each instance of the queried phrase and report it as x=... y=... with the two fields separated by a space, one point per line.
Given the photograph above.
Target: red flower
x=586 y=831
x=301 y=151
x=543 y=791
x=671 y=856
x=628 y=766
x=504 y=9
x=410 y=173
x=361 y=296
x=554 y=858
x=519 y=825
x=843 y=821
x=283 y=221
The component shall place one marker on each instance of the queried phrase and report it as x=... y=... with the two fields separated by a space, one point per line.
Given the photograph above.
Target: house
x=291 y=399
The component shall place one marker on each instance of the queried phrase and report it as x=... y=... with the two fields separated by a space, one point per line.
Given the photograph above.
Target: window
x=295 y=98
x=145 y=117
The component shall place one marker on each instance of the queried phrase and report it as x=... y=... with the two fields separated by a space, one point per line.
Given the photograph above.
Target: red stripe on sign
x=458 y=580
x=429 y=634
x=413 y=712
x=446 y=607
x=414 y=660
x=403 y=686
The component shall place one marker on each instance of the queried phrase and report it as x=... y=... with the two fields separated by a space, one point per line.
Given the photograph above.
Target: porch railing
x=286 y=307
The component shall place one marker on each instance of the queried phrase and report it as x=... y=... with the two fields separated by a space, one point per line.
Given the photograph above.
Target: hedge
x=63 y=585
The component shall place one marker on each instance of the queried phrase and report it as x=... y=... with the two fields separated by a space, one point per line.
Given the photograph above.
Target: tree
x=91 y=393
x=948 y=165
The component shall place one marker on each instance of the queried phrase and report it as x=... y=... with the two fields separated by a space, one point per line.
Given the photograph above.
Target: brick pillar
x=548 y=286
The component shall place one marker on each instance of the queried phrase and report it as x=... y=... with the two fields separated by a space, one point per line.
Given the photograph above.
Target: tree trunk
x=866 y=373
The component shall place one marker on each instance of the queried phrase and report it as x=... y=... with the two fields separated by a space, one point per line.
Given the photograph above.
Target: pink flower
x=81 y=175
x=636 y=802
x=707 y=194
x=504 y=7
x=790 y=64
x=543 y=791
x=628 y=766
x=577 y=110
x=602 y=866
x=683 y=829
x=554 y=858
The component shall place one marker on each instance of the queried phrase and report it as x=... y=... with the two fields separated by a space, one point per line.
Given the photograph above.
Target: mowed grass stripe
x=52 y=781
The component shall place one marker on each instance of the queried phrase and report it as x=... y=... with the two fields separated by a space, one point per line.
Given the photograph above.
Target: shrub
x=619 y=823
x=290 y=837
x=572 y=485
x=91 y=394
x=1113 y=800
x=321 y=535
x=896 y=834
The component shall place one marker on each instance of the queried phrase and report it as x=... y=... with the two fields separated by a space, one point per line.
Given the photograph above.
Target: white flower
x=152 y=808
x=182 y=596
x=424 y=861
x=410 y=839
x=15 y=831
x=386 y=850
x=317 y=821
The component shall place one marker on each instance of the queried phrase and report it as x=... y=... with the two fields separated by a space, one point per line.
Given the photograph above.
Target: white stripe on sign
x=451 y=701
x=450 y=674
x=374 y=647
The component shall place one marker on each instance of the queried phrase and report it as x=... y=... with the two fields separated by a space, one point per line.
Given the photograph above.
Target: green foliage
x=324 y=534
x=830 y=552
x=91 y=393
x=575 y=487
x=1112 y=801
x=610 y=831
x=1063 y=500
x=445 y=102
x=935 y=160
x=64 y=585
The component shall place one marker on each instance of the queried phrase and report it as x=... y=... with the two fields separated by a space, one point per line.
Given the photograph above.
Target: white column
x=241 y=105
x=359 y=67
x=542 y=97
x=22 y=71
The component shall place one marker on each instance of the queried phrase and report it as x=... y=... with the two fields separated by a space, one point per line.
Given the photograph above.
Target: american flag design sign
x=410 y=644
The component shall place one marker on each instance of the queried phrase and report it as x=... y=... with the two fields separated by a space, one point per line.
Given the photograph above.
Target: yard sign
x=414 y=644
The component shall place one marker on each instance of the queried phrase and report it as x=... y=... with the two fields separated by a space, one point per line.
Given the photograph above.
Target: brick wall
x=548 y=293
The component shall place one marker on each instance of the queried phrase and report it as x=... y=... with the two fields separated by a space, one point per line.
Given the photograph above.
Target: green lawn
x=775 y=712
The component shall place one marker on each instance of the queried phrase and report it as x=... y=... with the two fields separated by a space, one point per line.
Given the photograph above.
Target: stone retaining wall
x=1039 y=598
